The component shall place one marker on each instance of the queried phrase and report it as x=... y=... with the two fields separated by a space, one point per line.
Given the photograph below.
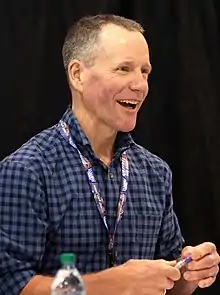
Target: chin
x=127 y=128
x=125 y=125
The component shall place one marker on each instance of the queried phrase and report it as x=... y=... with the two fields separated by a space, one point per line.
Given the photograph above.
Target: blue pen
x=183 y=262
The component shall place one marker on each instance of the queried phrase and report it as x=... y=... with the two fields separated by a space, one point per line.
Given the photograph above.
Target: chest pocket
x=139 y=229
x=148 y=229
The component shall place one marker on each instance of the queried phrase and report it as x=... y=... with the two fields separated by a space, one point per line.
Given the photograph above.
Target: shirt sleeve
x=23 y=226
x=170 y=242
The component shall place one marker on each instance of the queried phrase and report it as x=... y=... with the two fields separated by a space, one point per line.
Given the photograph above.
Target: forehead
x=118 y=44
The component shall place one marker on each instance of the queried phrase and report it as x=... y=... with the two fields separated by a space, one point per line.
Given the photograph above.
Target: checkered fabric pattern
x=46 y=207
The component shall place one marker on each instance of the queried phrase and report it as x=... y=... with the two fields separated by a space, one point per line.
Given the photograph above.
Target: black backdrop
x=180 y=121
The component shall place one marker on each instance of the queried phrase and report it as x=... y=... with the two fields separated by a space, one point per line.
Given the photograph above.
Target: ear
x=75 y=74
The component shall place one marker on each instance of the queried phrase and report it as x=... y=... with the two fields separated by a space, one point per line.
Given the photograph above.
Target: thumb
x=171 y=263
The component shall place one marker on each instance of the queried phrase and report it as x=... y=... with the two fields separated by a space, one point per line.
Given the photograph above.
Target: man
x=84 y=186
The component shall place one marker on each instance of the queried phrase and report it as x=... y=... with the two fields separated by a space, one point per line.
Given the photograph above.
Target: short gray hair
x=82 y=38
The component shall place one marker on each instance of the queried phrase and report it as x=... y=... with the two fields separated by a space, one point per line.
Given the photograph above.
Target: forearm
x=38 y=285
x=106 y=282
x=183 y=287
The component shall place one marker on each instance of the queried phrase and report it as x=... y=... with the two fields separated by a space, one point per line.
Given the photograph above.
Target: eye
x=123 y=69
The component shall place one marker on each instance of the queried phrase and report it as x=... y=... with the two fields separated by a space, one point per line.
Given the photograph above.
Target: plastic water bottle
x=68 y=280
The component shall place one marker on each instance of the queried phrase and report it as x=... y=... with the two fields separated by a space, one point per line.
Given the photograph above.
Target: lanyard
x=65 y=132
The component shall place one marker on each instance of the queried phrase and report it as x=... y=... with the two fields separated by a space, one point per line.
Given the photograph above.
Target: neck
x=101 y=137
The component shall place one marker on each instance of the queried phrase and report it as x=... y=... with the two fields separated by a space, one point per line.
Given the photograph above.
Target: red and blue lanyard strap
x=65 y=132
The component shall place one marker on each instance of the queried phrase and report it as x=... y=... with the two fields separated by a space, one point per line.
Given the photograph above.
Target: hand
x=147 y=277
x=203 y=268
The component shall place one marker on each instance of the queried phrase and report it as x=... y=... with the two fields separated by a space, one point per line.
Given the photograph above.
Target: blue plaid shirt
x=46 y=207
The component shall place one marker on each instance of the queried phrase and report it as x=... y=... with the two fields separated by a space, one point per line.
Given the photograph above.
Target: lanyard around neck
x=65 y=132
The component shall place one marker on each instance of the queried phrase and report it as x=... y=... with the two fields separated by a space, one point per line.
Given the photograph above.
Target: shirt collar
x=123 y=140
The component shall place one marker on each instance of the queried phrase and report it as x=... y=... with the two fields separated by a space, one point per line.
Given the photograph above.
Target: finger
x=206 y=282
x=199 y=251
x=201 y=274
x=187 y=251
x=169 y=270
x=171 y=263
x=165 y=284
x=208 y=261
x=169 y=284
x=173 y=273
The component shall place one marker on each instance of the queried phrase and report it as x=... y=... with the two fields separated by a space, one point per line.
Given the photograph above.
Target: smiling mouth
x=128 y=104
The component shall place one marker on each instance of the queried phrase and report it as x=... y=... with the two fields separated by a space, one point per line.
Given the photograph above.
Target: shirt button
x=110 y=175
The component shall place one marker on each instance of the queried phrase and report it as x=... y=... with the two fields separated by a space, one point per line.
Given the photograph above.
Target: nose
x=140 y=83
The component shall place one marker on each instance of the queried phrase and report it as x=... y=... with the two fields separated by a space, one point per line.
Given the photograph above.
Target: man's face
x=115 y=87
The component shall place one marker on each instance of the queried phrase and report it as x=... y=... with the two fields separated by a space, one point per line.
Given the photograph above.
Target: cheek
x=107 y=93
x=109 y=89
x=102 y=90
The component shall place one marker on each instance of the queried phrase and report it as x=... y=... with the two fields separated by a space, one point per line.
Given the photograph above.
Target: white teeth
x=129 y=101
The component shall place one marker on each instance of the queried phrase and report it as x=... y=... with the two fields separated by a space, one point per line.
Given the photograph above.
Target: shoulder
x=150 y=163
x=39 y=152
